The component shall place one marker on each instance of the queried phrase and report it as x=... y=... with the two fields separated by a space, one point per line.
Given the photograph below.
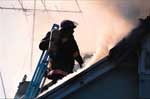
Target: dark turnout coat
x=66 y=54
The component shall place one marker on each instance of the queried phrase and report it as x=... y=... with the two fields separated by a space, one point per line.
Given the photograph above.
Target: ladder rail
x=33 y=88
x=35 y=82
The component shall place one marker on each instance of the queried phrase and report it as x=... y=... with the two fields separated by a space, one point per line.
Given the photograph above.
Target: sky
x=102 y=23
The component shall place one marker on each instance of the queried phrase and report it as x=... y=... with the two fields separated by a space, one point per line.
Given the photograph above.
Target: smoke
x=103 y=22
x=123 y=16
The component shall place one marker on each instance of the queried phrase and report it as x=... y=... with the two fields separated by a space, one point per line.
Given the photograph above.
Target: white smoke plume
x=124 y=15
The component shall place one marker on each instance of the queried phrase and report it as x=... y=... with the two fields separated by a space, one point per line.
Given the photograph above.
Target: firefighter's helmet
x=68 y=24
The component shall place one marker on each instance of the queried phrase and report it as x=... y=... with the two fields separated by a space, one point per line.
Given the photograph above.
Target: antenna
x=43 y=2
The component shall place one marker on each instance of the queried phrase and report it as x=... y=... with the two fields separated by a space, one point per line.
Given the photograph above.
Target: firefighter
x=63 y=52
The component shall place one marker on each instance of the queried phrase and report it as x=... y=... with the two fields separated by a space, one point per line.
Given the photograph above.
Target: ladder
x=34 y=87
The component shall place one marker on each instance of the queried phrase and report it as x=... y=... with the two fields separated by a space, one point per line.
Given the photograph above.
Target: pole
x=33 y=30
x=3 y=85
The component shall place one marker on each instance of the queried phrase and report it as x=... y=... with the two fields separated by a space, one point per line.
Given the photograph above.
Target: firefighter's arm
x=76 y=54
x=44 y=42
x=78 y=58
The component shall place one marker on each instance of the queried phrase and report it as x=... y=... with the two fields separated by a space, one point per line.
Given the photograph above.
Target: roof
x=77 y=81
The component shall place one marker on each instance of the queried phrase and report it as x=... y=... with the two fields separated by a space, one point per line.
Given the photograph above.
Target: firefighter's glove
x=81 y=66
